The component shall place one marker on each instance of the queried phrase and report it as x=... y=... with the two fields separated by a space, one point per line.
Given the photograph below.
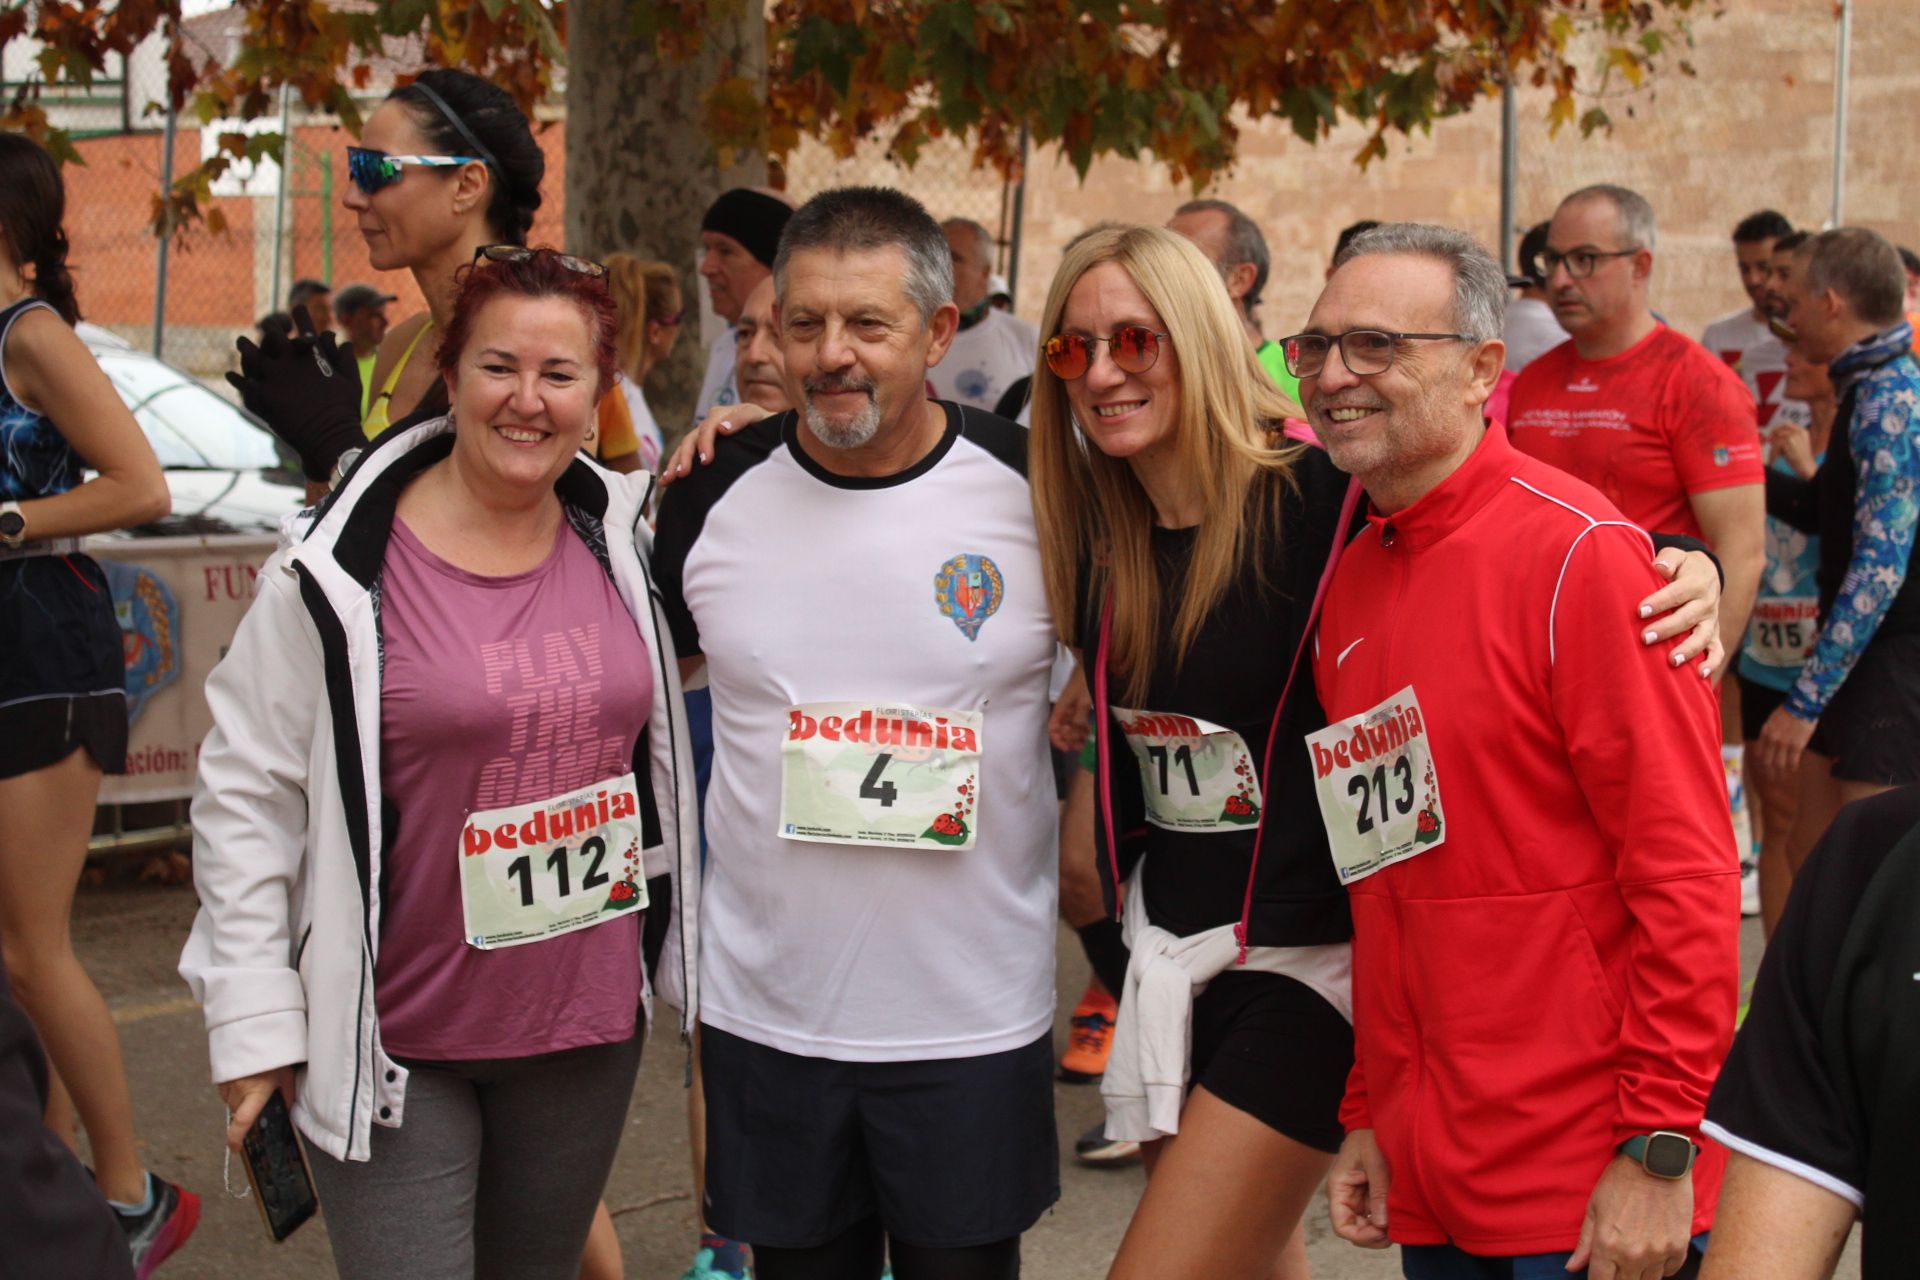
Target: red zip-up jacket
x=1560 y=973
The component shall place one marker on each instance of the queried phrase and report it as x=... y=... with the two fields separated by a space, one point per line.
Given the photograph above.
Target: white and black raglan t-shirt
x=881 y=820
x=1823 y=1080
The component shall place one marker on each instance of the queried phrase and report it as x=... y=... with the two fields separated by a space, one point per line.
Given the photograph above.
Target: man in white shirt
x=1743 y=338
x=994 y=348
x=738 y=237
x=861 y=579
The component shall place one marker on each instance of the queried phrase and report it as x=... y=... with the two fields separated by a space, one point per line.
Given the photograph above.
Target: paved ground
x=130 y=935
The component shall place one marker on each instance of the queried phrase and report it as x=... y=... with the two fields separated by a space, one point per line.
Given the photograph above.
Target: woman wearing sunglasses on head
x=448 y=750
x=446 y=164
x=1183 y=543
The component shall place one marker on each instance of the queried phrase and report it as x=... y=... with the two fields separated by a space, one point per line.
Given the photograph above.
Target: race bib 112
x=1378 y=794
x=880 y=773
x=534 y=871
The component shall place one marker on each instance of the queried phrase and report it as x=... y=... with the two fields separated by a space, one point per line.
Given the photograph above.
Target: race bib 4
x=881 y=774
x=1378 y=794
x=534 y=871
x=1196 y=776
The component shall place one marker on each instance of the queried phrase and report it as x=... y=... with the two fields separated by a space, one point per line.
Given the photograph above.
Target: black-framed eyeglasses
x=372 y=170
x=1132 y=347
x=1363 y=351
x=1579 y=263
x=522 y=253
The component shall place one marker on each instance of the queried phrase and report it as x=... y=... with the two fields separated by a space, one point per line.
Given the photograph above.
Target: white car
x=227 y=472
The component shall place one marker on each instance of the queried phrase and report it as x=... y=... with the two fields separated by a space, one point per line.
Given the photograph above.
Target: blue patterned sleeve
x=1884 y=518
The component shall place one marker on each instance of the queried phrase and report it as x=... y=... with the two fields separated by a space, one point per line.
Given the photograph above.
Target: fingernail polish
x=1648 y=637
x=1646 y=611
x=1677 y=659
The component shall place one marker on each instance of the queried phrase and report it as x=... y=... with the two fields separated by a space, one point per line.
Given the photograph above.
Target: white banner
x=179 y=601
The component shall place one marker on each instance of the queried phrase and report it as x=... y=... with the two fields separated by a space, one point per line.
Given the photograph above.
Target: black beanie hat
x=753 y=218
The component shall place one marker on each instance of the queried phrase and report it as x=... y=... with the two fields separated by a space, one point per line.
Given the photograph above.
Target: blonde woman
x=648 y=297
x=1182 y=553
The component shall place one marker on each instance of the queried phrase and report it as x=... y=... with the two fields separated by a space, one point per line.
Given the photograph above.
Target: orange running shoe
x=1086 y=1055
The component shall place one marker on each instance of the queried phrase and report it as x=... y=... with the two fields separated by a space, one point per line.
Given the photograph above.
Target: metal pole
x=1845 y=39
x=166 y=221
x=326 y=219
x=280 y=195
x=1509 y=171
x=1019 y=211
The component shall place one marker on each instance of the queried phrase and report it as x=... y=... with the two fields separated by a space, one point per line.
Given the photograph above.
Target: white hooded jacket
x=288 y=816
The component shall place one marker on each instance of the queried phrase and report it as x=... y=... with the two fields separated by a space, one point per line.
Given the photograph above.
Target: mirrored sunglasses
x=1133 y=349
x=372 y=170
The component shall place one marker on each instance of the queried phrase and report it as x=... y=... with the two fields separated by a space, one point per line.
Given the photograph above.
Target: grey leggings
x=495 y=1173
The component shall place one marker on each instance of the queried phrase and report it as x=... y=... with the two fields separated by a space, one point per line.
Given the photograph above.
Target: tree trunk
x=640 y=172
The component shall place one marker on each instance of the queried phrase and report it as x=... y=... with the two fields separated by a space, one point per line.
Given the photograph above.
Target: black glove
x=307 y=390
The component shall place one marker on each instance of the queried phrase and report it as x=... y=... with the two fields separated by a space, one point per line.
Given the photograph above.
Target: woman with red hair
x=448 y=751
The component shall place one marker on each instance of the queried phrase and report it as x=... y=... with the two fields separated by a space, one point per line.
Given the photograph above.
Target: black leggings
x=860 y=1252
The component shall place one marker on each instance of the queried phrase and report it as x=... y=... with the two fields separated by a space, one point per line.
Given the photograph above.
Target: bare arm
x=1733 y=520
x=53 y=373
x=690 y=667
x=1773 y=1225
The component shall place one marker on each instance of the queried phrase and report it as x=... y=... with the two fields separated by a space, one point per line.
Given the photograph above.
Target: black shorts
x=950 y=1153
x=63 y=669
x=1757 y=703
x=1871 y=729
x=1274 y=1048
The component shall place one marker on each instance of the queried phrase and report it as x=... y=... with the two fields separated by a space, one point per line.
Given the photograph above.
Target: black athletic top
x=1233 y=677
x=1824 y=1077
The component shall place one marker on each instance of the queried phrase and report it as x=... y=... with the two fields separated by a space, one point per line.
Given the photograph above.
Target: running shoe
x=719 y=1259
x=1092 y=1039
x=1749 y=888
x=1094 y=1147
x=154 y=1236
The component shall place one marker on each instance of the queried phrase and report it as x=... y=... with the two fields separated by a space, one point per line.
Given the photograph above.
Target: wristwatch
x=342 y=465
x=1662 y=1153
x=13 y=525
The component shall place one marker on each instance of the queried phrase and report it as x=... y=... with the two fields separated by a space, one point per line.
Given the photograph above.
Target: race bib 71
x=1196 y=775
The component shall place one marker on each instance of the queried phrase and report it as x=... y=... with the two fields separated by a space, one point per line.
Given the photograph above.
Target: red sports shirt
x=1661 y=421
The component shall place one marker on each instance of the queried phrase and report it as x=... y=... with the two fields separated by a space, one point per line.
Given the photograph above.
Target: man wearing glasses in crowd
x=1638 y=410
x=1539 y=1009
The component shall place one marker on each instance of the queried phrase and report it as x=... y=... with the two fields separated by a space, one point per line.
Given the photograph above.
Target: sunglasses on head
x=373 y=170
x=521 y=253
x=1132 y=347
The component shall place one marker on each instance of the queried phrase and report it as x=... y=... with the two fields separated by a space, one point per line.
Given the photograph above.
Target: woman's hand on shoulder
x=1688 y=605
x=247 y=1095
x=698 y=443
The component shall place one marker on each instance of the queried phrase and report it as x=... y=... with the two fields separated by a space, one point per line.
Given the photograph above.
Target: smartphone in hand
x=278 y=1171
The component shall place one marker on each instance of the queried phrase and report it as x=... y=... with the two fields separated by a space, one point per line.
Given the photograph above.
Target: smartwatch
x=13 y=525
x=1662 y=1153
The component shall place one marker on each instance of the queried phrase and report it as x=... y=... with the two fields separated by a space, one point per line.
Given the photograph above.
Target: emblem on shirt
x=968 y=590
x=149 y=619
x=1583 y=383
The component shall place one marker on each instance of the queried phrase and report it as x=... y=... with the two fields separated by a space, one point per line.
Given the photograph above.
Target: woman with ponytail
x=648 y=296
x=445 y=165
x=63 y=706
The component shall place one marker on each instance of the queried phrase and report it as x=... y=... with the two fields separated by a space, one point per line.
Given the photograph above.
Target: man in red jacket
x=1527 y=807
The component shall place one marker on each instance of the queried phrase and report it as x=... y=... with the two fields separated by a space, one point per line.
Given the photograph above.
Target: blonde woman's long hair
x=1091 y=510
x=643 y=290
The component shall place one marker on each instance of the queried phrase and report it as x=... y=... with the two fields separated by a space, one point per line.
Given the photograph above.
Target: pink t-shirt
x=496 y=692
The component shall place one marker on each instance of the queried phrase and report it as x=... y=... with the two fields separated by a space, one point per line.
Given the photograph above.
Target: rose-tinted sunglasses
x=1133 y=347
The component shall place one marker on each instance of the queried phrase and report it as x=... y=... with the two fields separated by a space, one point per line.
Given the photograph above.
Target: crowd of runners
x=1394 y=709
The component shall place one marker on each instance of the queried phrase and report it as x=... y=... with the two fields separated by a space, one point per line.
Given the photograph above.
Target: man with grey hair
x=993 y=349
x=1854 y=709
x=1640 y=411
x=1233 y=243
x=861 y=580
x=1540 y=865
